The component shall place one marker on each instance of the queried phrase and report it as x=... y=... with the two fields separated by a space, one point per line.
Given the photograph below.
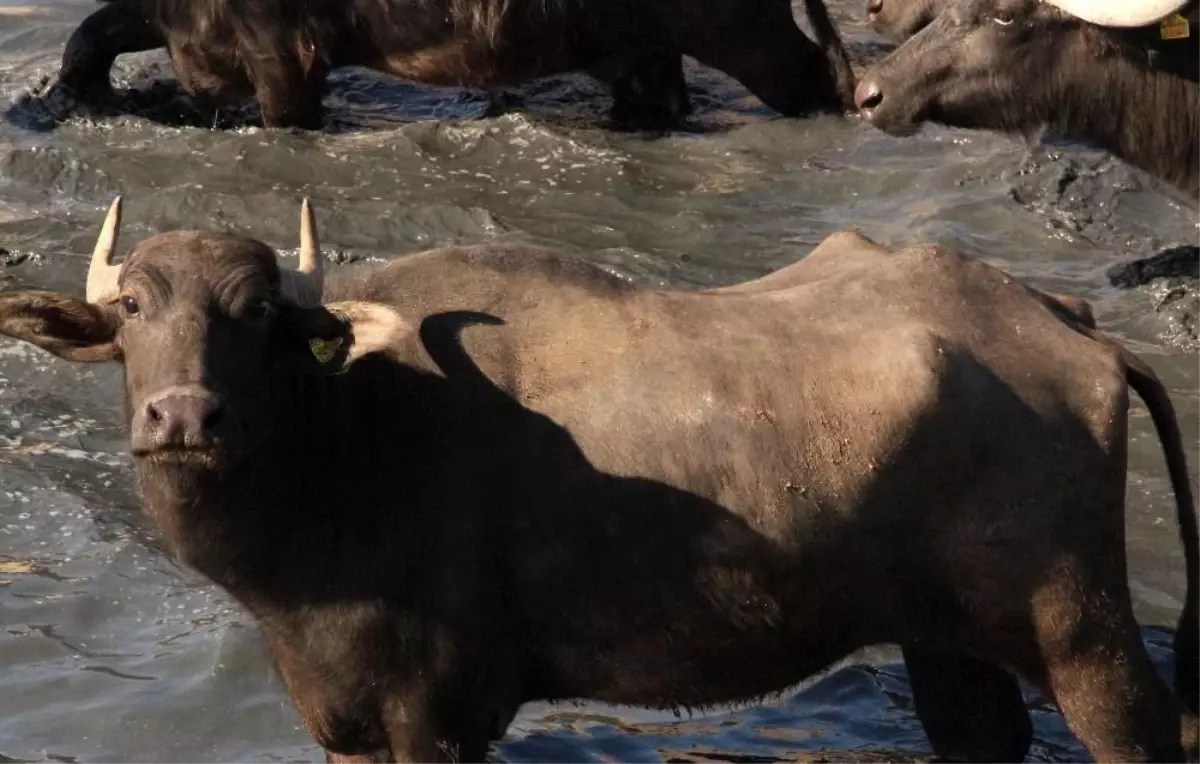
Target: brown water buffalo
x=480 y=476
x=1025 y=66
x=281 y=51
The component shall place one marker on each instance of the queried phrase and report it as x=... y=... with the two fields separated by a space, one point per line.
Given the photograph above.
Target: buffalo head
x=1011 y=65
x=210 y=331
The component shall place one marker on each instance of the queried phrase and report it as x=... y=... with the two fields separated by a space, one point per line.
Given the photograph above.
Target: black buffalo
x=481 y=476
x=280 y=51
x=1026 y=66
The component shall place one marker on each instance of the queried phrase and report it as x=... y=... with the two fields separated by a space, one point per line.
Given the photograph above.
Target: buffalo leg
x=378 y=757
x=652 y=91
x=417 y=732
x=781 y=66
x=91 y=51
x=1095 y=667
x=288 y=95
x=971 y=710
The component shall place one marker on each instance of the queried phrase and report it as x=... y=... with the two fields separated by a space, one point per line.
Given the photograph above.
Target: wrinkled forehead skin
x=182 y=260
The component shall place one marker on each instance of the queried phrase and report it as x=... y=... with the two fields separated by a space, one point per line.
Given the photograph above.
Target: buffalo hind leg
x=87 y=60
x=773 y=59
x=971 y=710
x=652 y=92
x=1095 y=667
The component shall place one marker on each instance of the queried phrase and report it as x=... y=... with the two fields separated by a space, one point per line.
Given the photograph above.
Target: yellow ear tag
x=324 y=350
x=1174 y=27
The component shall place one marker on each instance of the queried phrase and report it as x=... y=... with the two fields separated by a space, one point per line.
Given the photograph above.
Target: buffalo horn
x=102 y=274
x=304 y=284
x=1120 y=13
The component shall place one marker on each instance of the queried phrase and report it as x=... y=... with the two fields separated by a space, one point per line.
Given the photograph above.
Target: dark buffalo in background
x=1025 y=66
x=480 y=476
x=280 y=51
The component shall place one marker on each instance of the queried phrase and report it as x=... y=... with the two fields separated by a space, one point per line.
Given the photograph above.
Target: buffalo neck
x=1146 y=115
x=310 y=488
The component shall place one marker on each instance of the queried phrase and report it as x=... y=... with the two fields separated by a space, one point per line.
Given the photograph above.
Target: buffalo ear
x=66 y=326
x=340 y=333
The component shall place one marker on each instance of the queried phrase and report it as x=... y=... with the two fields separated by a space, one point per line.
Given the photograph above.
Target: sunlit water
x=110 y=652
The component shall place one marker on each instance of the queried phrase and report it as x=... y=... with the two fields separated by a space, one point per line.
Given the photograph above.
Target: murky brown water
x=109 y=652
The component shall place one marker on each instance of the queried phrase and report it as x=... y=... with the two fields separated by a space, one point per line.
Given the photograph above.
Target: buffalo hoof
x=63 y=102
x=649 y=115
x=501 y=102
x=93 y=93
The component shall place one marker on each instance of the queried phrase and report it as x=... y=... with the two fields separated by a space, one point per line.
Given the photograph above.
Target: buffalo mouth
x=202 y=456
x=880 y=105
x=899 y=129
x=896 y=125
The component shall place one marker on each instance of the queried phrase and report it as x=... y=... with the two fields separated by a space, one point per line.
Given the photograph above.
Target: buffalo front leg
x=456 y=725
x=652 y=91
x=971 y=710
x=287 y=103
x=417 y=746
x=288 y=92
x=110 y=31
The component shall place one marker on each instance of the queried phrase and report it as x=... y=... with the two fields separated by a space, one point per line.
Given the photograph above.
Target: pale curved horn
x=1119 y=13
x=304 y=284
x=102 y=274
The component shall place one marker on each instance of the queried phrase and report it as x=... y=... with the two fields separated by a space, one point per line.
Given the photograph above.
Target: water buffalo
x=281 y=51
x=1104 y=73
x=478 y=476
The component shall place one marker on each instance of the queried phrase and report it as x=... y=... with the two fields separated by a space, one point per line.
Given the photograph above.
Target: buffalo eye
x=256 y=309
x=1003 y=19
x=130 y=305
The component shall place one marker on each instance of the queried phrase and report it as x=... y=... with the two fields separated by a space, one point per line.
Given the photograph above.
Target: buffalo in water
x=1119 y=75
x=280 y=51
x=480 y=476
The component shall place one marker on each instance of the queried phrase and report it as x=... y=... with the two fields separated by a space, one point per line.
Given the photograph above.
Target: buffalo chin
x=193 y=458
x=900 y=128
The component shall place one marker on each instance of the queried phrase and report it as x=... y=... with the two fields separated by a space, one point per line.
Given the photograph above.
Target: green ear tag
x=324 y=350
x=1174 y=27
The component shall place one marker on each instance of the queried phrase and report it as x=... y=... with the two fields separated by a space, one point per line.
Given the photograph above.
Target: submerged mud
x=110 y=651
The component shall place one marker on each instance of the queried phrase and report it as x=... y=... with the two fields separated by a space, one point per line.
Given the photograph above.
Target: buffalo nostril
x=867 y=95
x=874 y=7
x=212 y=416
x=180 y=416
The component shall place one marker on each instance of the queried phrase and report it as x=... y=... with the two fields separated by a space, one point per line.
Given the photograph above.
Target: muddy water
x=109 y=652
